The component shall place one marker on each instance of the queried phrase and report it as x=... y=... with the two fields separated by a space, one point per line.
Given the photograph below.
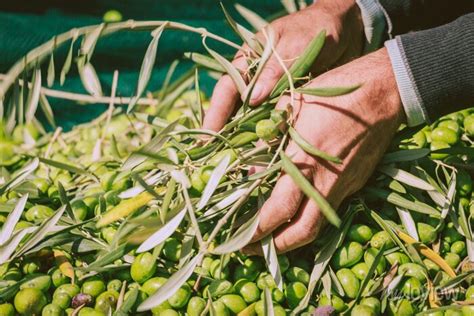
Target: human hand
x=344 y=41
x=356 y=127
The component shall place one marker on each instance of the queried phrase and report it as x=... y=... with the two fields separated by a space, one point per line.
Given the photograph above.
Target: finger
x=302 y=230
x=284 y=200
x=224 y=100
x=254 y=249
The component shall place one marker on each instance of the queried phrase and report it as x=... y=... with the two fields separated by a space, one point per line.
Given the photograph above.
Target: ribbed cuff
x=411 y=100
x=374 y=21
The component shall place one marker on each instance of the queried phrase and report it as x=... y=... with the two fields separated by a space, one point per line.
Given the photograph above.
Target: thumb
x=271 y=73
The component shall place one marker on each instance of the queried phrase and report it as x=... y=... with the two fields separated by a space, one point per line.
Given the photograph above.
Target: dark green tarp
x=24 y=24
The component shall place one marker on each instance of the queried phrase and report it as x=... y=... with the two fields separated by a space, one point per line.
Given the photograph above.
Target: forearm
x=435 y=69
x=409 y=15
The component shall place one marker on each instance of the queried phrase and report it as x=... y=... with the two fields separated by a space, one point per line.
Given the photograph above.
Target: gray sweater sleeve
x=409 y=15
x=441 y=65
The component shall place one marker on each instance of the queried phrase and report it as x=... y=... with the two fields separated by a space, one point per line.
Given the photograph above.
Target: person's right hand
x=344 y=41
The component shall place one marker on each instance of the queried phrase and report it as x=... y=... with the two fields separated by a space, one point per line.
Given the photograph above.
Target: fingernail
x=257 y=92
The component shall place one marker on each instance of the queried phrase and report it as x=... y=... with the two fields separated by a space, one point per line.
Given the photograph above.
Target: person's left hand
x=356 y=127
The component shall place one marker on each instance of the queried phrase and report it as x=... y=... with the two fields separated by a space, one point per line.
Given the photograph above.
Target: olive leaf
x=398 y=200
x=7 y=249
x=126 y=308
x=241 y=237
x=302 y=65
x=67 y=63
x=151 y=147
x=271 y=258
x=247 y=36
x=162 y=233
x=214 y=180
x=205 y=61
x=406 y=177
x=90 y=40
x=268 y=302
x=12 y=219
x=225 y=202
x=147 y=66
x=33 y=96
x=448 y=201
x=371 y=272
x=64 y=166
x=309 y=190
x=171 y=286
x=20 y=175
x=229 y=68
x=405 y=155
x=133 y=191
x=290 y=6
x=90 y=79
x=47 y=110
x=51 y=71
x=408 y=222
x=308 y=148
x=65 y=201
x=327 y=92
x=37 y=235
x=257 y=22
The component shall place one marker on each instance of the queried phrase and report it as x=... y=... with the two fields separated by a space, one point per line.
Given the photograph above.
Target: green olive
x=373 y=303
x=360 y=270
x=294 y=293
x=412 y=270
x=452 y=259
x=233 y=302
x=336 y=302
x=13 y=274
x=169 y=312
x=431 y=266
x=283 y=262
x=451 y=124
x=108 y=234
x=58 y=278
x=143 y=267
x=369 y=257
x=265 y=280
x=38 y=213
x=467 y=310
x=459 y=247
x=38 y=281
x=80 y=209
x=419 y=139
x=112 y=16
x=196 y=306
x=360 y=233
x=437 y=145
x=220 y=308
x=450 y=234
x=172 y=249
x=106 y=301
x=349 y=282
x=470 y=293
x=217 y=272
x=62 y=299
x=70 y=289
x=7 y=153
x=380 y=238
x=412 y=287
x=114 y=285
x=196 y=181
x=181 y=297
x=444 y=134
x=243 y=139
x=216 y=159
x=152 y=285
x=29 y=301
x=93 y=286
x=41 y=184
x=52 y=310
x=249 y=292
x=453 y=312
x=347 y=255
x=30 y=267
x=88 y=311
x=362 y=310
x=249 y=270
x=7 y=309
x=267 y=129
x=28 y=129
x=295 y=274
x=401 y=307
x=463 y=183
x=217 y=288
x=427 y=233
x=469 y=125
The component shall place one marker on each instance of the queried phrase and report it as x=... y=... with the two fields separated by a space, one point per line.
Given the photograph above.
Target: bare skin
x=356 y=127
